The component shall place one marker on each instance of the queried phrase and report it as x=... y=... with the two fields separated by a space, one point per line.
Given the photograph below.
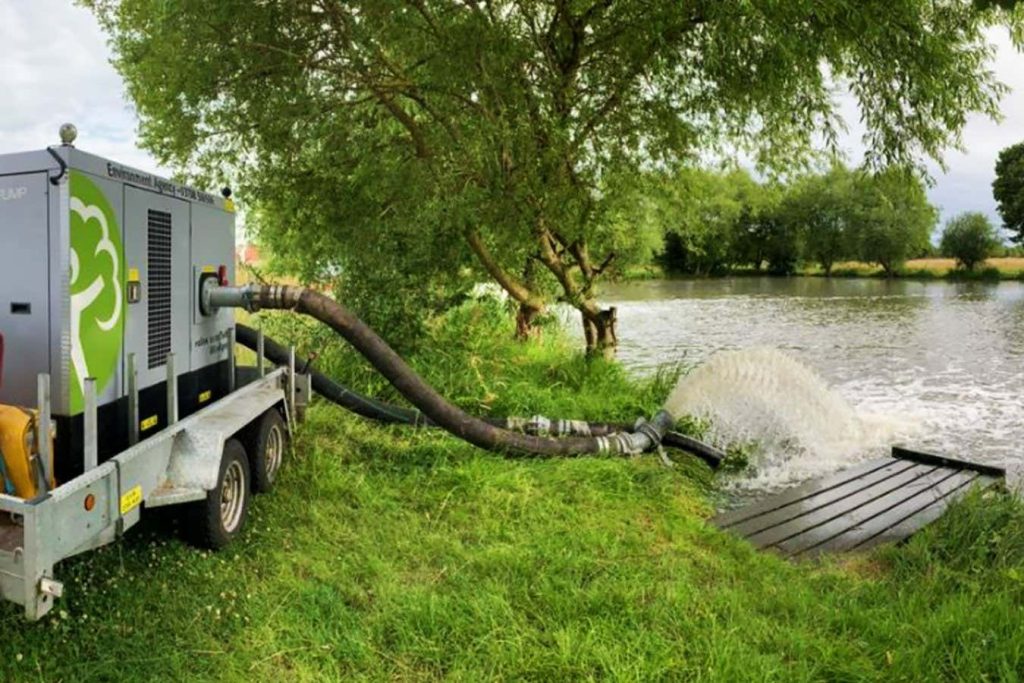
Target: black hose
x=374 y=409
x=389 y=413
x=330 y=389
x=408 y=383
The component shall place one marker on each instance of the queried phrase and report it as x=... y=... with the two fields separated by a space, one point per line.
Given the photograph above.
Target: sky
x=56 y=68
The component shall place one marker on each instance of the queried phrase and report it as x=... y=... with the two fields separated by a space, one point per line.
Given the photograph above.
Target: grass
x=385 y=554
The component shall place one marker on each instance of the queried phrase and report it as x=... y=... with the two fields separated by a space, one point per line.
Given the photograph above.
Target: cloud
x=966 y=185
x=56 y=68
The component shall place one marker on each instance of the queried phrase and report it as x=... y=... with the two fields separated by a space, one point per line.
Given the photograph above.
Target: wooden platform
x=876 y=502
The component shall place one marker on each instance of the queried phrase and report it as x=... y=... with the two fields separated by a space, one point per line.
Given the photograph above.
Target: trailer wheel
x=268 y=450
x=218 y=519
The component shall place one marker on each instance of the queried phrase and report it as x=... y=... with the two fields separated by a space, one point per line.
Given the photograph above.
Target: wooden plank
x=832 y=516
x=843 y=531
x=944 y=461
x=922 y=517
x=812 y=503
x=809 y=488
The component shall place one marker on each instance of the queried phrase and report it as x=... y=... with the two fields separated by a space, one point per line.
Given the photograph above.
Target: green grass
x=385 y=554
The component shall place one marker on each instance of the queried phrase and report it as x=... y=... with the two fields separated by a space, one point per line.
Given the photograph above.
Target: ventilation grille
x=159 y=255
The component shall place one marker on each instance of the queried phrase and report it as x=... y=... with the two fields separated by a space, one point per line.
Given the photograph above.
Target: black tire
x=269 y=447
x=217 y=520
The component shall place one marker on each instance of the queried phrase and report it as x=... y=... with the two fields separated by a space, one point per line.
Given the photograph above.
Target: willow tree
x=400 y=141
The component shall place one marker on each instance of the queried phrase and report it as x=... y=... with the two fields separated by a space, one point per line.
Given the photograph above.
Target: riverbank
x=386 y=554
x=992 y=270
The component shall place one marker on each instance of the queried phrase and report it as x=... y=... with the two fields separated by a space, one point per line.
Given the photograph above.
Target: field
x=1009 y=268
x=390 y=555
x=995 y=268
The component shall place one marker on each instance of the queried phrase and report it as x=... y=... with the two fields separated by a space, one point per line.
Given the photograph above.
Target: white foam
x=799 y=426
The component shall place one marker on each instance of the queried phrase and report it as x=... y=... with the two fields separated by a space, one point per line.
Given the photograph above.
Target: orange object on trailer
x=20 y=453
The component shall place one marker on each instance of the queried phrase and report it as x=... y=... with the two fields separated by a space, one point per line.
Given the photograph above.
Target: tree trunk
x=531 y=304
x=525 y=317
x=600 y=332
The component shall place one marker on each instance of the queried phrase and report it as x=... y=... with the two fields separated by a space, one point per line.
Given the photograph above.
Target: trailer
x=119 y=389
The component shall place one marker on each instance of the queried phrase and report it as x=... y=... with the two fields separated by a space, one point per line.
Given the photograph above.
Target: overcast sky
x=56 y=68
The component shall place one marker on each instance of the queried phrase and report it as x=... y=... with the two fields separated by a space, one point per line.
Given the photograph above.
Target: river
x=943 y=360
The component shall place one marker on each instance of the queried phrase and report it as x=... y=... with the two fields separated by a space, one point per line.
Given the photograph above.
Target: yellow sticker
x=133 y=275
x=205 y=396
x=131 y=499
x=148 y=423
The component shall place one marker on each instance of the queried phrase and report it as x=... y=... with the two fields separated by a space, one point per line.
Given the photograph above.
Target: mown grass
x=385 y=554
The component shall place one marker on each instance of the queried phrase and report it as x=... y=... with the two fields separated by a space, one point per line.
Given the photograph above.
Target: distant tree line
x=717 y=221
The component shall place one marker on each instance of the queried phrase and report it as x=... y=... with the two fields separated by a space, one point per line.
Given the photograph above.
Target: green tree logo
x=97 y=292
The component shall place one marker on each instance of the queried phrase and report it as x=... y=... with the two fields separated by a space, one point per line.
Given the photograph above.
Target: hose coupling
x=215 y=297
x=249 y=297
x=647 y=435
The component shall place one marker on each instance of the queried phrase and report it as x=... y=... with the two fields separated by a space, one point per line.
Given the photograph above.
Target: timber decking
x=876 y=502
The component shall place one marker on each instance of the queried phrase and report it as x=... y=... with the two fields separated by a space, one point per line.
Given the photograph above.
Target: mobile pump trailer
x=118 y=387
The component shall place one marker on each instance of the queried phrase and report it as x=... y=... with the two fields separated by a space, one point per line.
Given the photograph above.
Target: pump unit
x=118 y=384
x=100 y=269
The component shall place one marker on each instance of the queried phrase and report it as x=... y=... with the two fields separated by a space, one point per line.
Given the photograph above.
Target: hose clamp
x=650 y=431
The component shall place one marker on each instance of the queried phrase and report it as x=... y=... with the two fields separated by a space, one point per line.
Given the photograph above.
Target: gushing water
x=795 y=424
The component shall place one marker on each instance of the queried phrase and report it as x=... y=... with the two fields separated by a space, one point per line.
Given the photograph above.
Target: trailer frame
x=177 y=465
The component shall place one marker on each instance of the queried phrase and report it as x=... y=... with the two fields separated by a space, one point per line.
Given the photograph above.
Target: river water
x=939 y=365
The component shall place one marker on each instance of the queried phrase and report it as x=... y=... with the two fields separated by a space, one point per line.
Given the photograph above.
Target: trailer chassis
x=177 y=465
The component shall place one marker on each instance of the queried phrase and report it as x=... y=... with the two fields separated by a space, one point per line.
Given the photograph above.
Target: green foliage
x=716 y=221
x=697 y=212
x=969 y=238
x=1002 y=250
x=823 y=205
x=760 y=232
x=1008 y=190
x=395 y=144
x=894 y=220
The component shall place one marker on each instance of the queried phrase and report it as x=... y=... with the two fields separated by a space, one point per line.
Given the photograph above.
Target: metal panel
x=137 y=219
x=195 y=462
x=105 y=168
x=93 y=206
x=24 y=284
x=213 y=245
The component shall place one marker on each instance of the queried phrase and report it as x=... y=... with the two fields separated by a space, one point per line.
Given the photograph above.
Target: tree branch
x=515 y=288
